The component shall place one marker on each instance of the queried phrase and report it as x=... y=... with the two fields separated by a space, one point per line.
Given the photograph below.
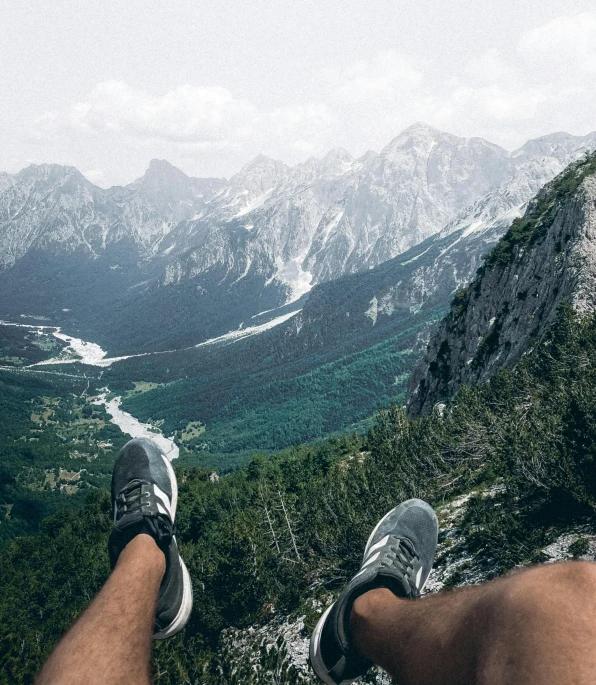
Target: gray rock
x=514 y=300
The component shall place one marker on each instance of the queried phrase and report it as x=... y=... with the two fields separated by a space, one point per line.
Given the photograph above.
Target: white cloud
x=500 y=102
x=184 y=114
x=544 y=82
x=185 y=121
x=564 y=43
x=490 y=67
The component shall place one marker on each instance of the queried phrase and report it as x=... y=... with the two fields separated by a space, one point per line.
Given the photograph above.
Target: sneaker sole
x=316 y=662
x=185 y=607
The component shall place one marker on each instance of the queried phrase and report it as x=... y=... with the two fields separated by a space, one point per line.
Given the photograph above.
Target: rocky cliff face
x=546 y=258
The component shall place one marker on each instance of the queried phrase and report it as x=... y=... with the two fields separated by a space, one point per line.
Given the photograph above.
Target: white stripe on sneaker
x=161 y=495
x=371 y=559
x=377 y=545
x=173 y=485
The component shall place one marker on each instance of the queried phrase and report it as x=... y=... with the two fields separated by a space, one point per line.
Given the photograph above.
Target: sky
x=107 y=85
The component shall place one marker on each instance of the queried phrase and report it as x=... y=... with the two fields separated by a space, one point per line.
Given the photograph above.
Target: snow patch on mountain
x=293 y=275
x=254 y=204
x=234 y=336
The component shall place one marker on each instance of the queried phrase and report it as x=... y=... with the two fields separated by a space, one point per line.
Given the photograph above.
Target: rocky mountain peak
x=420 y=135
x=262 y=164
x=51 y=173
x=163 y=182
x=368 y=156
x=161 y=171
x=337 y=155
x=547 y=257
x=420 y=128
x=259 y=176
x=561 y=146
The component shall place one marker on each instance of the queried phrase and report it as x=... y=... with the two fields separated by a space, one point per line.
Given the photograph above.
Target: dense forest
x=283 y=534
x=264 y=394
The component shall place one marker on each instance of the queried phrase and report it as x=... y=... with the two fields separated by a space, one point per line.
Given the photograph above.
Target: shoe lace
x=134 y=496
x=402 y=555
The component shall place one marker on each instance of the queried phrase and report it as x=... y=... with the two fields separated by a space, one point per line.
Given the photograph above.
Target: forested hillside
x=266 y=393
x=530 y=430
x=269 y=545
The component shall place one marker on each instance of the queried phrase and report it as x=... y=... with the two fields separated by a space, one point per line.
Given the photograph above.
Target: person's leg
x=111 y=641
x=149 y=594
x=533 y=627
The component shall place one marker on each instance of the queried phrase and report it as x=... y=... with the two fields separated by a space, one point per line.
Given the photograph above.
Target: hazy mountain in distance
x=171 y=260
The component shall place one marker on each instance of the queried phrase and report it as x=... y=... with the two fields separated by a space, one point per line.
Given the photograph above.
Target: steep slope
x=546 y=258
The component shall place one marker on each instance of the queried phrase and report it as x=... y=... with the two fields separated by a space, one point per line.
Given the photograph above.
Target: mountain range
x=285 y=303
x=170 y=260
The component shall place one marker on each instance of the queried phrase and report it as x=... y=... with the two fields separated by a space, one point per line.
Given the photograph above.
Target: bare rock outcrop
x=546 y=258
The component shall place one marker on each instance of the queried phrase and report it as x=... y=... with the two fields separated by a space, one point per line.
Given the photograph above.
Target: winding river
x=83 y=352
x=133 y=427
x=89 y=353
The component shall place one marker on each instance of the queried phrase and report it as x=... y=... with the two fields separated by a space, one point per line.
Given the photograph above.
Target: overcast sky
x=107 y=85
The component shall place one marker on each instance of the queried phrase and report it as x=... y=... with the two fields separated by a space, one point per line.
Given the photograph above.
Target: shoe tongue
x=131 y=524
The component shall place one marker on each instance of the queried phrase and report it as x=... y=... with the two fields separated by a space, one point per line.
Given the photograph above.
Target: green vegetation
x=142 y=386
x=267 y=406
x=460 y=301
x=192 y=430
x=580 y=547
x=54 y=443
x=289 y=529
x=20 y=346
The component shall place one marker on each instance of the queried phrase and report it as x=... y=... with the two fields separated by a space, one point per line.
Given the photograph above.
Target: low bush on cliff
x=541 y=213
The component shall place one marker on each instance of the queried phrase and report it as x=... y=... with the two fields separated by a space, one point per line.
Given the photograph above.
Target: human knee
x=570 y=577
x=542 y=588
x=369 y=606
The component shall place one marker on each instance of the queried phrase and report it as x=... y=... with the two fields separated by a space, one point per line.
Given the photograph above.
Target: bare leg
x=111 y=641
x=533 y=627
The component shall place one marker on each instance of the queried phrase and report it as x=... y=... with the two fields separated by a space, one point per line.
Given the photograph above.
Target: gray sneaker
x=144 y=498
x=398 y=556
